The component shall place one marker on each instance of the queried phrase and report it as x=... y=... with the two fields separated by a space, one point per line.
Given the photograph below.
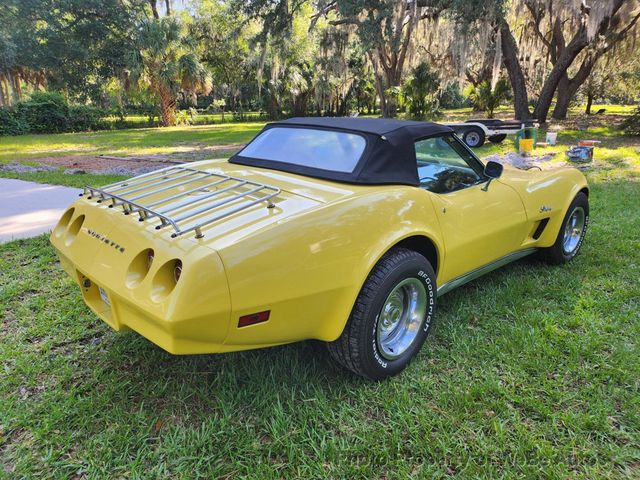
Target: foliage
x=487 y=99
x=46 y=112
x=75 y=45
x=321 y=57
x=452 y=97
x=49 y=112
x=163 y=61
x=420 y=90
x=631 y=125
x=12 y=121
x=83 y=118
x=186 y=117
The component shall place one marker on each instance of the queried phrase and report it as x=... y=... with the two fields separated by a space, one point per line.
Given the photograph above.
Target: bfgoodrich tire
x=571 y=234
x=391 y=318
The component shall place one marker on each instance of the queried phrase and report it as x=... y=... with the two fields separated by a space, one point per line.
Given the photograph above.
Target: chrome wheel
x=573 y=230
x=401 y=317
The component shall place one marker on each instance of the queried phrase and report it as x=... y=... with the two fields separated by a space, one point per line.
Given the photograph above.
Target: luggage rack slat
x=202 y=209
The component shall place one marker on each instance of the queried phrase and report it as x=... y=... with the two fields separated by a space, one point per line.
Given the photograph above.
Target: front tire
x=391 y=318
x=571 y=234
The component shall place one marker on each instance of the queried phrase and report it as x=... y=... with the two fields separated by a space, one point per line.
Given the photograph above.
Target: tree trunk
x=154 y=8
x=567 y=88
x=587 y=110
x=566 y=58
x=3 y=100
x=516 y=77
x=563 y=98
x=167 y=107
x=382 y=95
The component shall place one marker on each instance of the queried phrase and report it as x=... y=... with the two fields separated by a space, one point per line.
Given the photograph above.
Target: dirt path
x=99 y=164
x=131 y=164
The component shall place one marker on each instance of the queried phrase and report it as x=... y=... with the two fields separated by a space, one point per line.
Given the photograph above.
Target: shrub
x=420 y=90
x=186 y=117
x=45 y=112
x=12 y=122
x=86 y=117
x=49 y=112
x=487 y=99
x=631 y=125
x=451 y=97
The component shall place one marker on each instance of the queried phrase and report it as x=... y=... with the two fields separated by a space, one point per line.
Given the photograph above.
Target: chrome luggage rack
x=187 y=199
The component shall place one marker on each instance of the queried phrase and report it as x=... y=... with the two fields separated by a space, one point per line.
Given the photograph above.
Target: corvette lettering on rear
x=105 y=240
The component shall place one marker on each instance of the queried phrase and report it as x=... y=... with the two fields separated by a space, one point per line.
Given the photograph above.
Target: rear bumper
x=188 y=316
x=179 y=337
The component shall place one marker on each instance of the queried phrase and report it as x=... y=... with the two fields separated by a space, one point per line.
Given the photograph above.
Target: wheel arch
x=422 y=245
x=420 y=242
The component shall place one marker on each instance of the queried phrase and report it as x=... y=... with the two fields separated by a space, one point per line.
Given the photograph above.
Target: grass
x=58 y=177
x=531 y=372
x=139 y=141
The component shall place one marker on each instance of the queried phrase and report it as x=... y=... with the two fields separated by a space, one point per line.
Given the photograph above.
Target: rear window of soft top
x=330 y=150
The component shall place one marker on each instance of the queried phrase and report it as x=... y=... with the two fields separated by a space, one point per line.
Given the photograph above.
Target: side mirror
x=492 y=170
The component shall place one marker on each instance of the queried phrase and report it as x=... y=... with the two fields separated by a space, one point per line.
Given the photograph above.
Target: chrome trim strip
x=478 y=272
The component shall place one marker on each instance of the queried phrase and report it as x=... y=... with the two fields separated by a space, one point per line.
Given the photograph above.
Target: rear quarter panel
x=308 y=269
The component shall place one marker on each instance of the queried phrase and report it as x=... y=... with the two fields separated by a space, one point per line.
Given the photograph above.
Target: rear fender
x=309 y=270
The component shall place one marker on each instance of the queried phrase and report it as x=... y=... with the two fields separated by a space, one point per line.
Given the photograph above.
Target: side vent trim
x=541 y=226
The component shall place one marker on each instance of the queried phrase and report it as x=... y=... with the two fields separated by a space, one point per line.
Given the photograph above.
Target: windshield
x=323 y=149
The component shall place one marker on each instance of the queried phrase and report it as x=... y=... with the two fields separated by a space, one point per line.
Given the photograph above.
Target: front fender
x=546 y=194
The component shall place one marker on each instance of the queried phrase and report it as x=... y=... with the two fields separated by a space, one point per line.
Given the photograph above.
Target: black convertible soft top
x=388 y=158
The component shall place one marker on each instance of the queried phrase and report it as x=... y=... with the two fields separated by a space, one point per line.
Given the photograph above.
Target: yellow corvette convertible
x=344 y=230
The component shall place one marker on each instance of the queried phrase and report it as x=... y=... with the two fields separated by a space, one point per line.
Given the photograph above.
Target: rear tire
x=497 y=138
x=391 y=318
x=571 y=234
x=474 y=137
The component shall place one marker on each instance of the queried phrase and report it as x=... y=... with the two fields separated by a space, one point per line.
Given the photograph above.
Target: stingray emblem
x=544 y=208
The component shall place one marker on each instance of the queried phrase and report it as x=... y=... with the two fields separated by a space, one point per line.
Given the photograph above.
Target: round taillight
x=63 y=223
x=165 y=279
x=139 y=268
x=73 y=230
x=177 y=270
x=150 y=257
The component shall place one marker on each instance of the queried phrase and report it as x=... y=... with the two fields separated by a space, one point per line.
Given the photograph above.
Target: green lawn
x=125 y=142
x=531 y=372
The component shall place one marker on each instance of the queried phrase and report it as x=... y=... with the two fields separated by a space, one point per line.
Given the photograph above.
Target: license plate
x=104 y=296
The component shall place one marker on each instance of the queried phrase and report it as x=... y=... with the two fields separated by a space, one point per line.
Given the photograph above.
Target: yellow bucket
x=526 y=145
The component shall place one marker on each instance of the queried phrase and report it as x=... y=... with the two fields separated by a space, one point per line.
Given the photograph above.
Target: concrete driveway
x=28 y=209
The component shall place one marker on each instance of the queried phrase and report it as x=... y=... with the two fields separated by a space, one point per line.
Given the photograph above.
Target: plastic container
x=526 y=145
x=528 y=133
x=552 y=137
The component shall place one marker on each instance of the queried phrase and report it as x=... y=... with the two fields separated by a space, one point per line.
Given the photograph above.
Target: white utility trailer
x=475 y=132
